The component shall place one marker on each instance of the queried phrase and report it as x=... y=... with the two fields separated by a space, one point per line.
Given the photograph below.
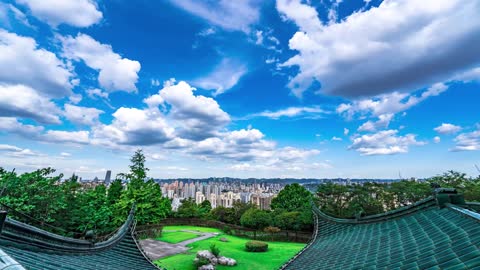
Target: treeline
x=349 y=201
x=291 y=210
x=42 y=199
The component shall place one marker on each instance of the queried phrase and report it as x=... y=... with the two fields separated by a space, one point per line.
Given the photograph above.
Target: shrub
x=227 y=230
x=256 y=246
x=199 y=262
x=215 y=250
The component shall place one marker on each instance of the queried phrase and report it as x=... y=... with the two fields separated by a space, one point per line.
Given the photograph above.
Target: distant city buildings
x=223 y=194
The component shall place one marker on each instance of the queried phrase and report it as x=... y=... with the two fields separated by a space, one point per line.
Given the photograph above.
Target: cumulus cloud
x=388 y=103
x=197 y=117
x=436 y=139
x=61 y=136
x=82 y=115
x=115 y=73
x=225 y=76
x=12 y=125
x=132 y=126
x=382 y=122
x=382 y=49
x=248 y=145
x=446 y=128
x=24 y=102
x=229 y=15
x=385 y=142
x=14 y=151
x=469 y=141
x=22 y=62
x=307 y=112
x=79 y=13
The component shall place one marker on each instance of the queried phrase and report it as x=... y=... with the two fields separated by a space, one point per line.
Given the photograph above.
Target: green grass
x=176 y=237
x=277 y=254
x=191 y=228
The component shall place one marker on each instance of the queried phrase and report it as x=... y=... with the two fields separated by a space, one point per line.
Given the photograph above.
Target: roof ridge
x=15 y=233
x=401 y=211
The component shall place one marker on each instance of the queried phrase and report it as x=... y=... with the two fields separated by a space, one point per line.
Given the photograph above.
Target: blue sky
x=283 y=88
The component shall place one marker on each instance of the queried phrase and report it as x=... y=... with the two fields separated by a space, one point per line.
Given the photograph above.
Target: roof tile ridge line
x=120 y=232
x=10 y=261
x=132 y=233
x=463 y=211
x=36 y=230
x=109 y=243
x=314 y=238
x=374 y=218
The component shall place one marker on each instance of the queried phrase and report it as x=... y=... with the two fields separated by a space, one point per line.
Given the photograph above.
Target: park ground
x=278 y=252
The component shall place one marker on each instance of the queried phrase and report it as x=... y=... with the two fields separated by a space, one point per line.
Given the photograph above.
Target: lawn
x=277 y=254
x=176 y=237
x=190 y=228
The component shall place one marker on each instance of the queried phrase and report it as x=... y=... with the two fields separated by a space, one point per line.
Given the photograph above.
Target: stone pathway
x=155 y=249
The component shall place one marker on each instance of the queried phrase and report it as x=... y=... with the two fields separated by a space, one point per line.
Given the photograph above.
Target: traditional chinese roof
x=27 y=247
x=440 y=232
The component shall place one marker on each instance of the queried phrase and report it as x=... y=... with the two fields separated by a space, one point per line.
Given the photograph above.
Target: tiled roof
x=423 y=236
x=37 y=249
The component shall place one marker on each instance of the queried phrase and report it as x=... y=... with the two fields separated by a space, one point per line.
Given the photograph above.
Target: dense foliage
x=256 y=246
x=40 y=197
x=348 y=201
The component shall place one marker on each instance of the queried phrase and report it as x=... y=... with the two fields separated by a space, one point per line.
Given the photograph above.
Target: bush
x=256 y=246
x=199 y=262
x=227 y=230
x=215 y=250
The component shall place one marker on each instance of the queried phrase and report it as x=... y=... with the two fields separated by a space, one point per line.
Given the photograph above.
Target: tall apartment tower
x=108 y=175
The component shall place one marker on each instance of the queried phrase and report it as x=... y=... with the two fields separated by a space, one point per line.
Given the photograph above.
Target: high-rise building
x=108 y=175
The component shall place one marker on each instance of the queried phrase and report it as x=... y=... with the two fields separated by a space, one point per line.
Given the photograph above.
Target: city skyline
x=263 y=89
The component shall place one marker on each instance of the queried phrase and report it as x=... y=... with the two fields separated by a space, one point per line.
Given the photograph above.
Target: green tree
x=256 y=219
x=292 y=197
x=188 y=209
x=114 y=192
x=204 y=208
x=151 y=207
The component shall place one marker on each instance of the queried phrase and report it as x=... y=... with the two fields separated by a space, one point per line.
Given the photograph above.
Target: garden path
x=155 y=249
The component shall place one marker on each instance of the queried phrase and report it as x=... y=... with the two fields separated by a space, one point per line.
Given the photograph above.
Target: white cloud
x=197 y=117
x=345 y=131
x=79 y=13
x=61 y=136
x=382 y=122
x=446 y=128
x=132 y=126
x=385 y=142
x=309 y=112
x=65 y=154
x=22 y=62
x=230 y=15
x=338 y=139
x=381 y=50
x=75 y=98
x=24 y=102
x=115 y=73
x=304 y=16
x=96 y=93
x=82 y=115
x=436 y=139
x=12 y=125
x=225 y=76
x=388 y=103
x=17 y=152
x=467 y=141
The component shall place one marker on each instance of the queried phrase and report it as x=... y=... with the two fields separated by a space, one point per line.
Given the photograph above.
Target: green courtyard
x=278 y=252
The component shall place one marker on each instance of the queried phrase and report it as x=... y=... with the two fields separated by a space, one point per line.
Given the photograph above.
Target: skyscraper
x=108 y=175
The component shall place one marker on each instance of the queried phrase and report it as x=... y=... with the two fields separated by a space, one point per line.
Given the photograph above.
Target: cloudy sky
x=250 y=88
